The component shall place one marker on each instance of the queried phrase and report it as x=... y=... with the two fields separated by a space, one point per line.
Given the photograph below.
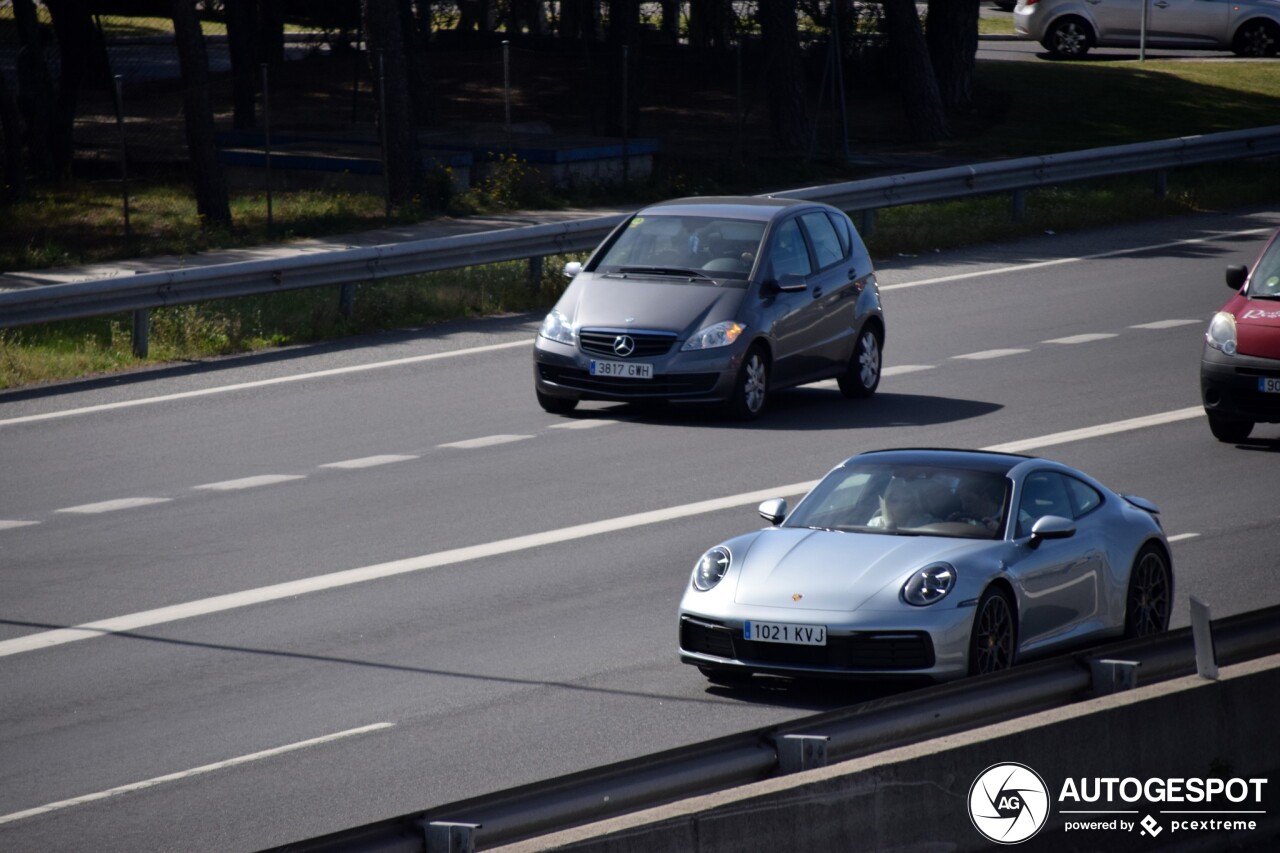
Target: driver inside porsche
x=980 y=503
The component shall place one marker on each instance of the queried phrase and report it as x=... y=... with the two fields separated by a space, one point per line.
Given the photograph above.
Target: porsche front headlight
x=556 y=327
x=718 y=335
x=929 y=585
x=1221 y=334
x=711 y=568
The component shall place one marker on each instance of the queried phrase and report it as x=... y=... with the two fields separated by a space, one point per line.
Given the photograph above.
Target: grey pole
x=124 y=158
x=266 y=138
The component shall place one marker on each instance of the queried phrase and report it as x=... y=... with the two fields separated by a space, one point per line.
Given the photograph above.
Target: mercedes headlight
x=719 y=335
x=929 y=585
x=556 y=327
x=1222 y=333
x=711 y=567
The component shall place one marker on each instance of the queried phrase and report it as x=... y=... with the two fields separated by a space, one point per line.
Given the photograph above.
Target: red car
x=1240 y=367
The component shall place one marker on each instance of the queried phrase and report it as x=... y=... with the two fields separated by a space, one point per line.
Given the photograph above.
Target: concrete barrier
x=917 y=798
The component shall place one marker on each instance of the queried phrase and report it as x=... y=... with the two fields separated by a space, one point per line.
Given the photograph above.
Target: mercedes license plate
x=622 y=369
x=781 y=632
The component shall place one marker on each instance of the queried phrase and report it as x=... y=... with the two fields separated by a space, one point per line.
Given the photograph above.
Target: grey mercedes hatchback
x=715 y=300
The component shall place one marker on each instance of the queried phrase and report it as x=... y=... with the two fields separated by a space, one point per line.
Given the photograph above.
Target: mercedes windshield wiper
x=680 y=272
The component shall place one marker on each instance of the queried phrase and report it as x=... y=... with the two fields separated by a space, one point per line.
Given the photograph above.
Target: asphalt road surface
x=261 y=599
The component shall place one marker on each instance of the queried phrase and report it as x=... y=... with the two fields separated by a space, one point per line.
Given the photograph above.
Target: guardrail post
x=443 y=836
x=1162 y=183
x=346 y=300
x=535 y=274
x=1202 y=633
x=1113 y=676
x=1019 y=208
x=800 y=752
x=868 y=226
x=141 y=332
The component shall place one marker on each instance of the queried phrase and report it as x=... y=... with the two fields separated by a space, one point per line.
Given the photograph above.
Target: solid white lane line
x=187 y=774
x=112 y=506
x=1114 y=253
x=584 y=423
x=235 y=600
x=250 y=482
x=11 y=524
x=991 y=353
x=486 y=441
x=261 y=383
x=245 y=598
x=1082 y=339
x=1168 y=324
x=1100 y=430
x=369 y=461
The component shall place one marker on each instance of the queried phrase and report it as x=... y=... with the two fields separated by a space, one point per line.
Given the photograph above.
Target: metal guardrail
x=739 y=759
x=143 y=292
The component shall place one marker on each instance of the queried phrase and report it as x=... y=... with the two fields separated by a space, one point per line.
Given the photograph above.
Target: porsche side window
x=826 y=244
x=1043 y=493
x=1083 y=496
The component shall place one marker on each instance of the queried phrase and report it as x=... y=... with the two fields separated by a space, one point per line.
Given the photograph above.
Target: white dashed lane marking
x=991 y=353
x=369 y=462
x=250 y=482
x=14 y=523
x=112 y=506
x=584 y=424
x=486 y=441
x=1168 y=324
x=1082 y=339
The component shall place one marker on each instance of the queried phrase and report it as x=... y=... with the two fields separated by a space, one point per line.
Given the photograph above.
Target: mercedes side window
x=826 y=243
x=790 y=255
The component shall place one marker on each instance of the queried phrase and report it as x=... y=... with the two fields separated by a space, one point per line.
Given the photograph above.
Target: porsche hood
x=828 y=570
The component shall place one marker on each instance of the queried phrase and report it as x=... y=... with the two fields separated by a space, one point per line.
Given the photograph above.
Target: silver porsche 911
x=933 y=563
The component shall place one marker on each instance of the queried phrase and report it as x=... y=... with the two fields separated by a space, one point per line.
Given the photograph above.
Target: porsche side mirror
x=1051 y=527
x=773 y=511
x=1236 y=274
x=572 y=268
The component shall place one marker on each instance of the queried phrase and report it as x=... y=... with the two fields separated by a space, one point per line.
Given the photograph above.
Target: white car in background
x=1069 y=28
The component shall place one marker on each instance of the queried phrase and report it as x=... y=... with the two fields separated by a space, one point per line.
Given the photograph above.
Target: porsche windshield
x=907 y=500
x=723 y=248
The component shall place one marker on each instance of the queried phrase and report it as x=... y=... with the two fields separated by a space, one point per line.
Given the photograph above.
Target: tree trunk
x=197 y=111
x=921 y=99
x=404 y=172
x=415 y=47
x=84 y=58
x=787 y=114
x=35 y=88
x=952 y=36
x=622 y=110
x=271 y=32
x=15 y=184
x=242 y=44
x=711 y=23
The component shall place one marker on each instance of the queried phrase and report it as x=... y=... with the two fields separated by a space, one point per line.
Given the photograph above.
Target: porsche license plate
x=781 y=632
x=1268 y=385
x=622 y=369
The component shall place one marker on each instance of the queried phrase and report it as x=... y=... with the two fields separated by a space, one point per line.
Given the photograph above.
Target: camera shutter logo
x=1008 y=803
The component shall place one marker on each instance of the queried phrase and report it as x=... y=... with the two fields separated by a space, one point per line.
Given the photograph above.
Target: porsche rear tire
x=1149 y=600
